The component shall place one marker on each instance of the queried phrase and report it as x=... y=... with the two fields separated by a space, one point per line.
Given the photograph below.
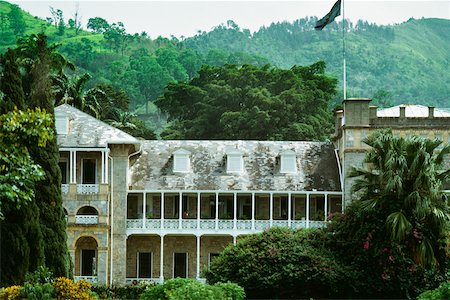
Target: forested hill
x=410 y=61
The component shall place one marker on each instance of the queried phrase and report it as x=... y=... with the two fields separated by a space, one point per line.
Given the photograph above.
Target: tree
x=40 y=63
x=281 y=263
x=11 y=84
x=404 y=181
x=58 y=18
x=98 y=25
x=16 y=21
x=22 y=246
x=117 y=38
x=394 y=235
x=249 y=102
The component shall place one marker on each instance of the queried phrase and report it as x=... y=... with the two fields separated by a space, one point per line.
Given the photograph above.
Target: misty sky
x=185 y=18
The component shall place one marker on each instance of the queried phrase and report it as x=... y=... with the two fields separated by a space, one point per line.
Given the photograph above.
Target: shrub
x=41 y=275
x=442 y=292
x=191 y=289
x=38 y=291
x=281 y=263
x=120 y=292
x=67 y=289
x=11 y=292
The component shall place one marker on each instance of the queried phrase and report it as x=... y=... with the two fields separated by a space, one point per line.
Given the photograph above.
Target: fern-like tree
x=404 y=181
x=394 y=235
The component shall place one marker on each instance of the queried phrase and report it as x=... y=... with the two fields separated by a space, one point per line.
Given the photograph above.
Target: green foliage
x=248 y=102
x=38 y=291
x=41 y=275
x=120 y=292
x=191 y=289
x=16 y=21
x=442 y=292
x=395 y=235
x=10 y=84
x=282 y=263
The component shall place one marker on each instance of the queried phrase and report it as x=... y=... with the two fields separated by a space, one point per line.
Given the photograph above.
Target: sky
x=186 y=18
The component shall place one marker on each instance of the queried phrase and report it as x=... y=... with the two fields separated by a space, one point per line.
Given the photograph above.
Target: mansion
x=153 y=210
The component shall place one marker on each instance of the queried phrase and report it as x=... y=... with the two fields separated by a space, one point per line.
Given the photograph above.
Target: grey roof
x=412 y=111
x=87 y=131
x=316 y=165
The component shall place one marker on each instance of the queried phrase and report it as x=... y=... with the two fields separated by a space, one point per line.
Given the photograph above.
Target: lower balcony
x=86 y=219
x=91 y=279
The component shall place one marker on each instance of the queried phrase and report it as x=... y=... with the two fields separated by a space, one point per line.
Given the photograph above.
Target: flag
x=329 y=17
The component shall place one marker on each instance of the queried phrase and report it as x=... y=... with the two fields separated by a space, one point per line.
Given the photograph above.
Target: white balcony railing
x=64 y=188
x=86 y=219
x=91 y=279
x=149 y=280
x=87 y=189
x=223 y=225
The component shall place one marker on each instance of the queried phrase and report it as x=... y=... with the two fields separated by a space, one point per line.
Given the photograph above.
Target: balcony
x=91 y=279
x=238 y=212
x=86 y=220
x=87 y=189
x=148 y=280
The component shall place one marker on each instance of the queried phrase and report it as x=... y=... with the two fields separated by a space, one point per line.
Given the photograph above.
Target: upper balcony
x=84 y=172
x=202 y=212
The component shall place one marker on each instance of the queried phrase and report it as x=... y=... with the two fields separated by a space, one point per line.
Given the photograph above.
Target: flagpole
x=343 y=49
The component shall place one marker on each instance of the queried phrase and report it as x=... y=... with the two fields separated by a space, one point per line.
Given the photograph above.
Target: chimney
x=402 y=112
x=373 y=112
x=430 y=112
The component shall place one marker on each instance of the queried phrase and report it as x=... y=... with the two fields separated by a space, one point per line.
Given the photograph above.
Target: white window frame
x=235 y=154
x=187 y=264
x=178 y=155
x=291 y=166
x=61 y=123
x=137 y=265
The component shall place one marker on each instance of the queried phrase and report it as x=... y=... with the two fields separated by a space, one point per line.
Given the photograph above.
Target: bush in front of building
x=442 y=292
x=66 y=288
x=191 y=289
x=11 y=292
x=282 y=263
x=120 y=292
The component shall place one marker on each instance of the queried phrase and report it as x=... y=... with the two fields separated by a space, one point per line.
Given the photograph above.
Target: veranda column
x=326 y=207
x=289 y=209
x=198 y=210
x=161 y=260
x=217 y=211
x=253 y=211
x=198 y=257
x=271 y=210
x=103 y=166
x=307 y=210
x=162 y=210
x=71 y=167
x=107 y=167
x=234 y=240
x=144 y=209
x=235 y=210
x=180 y=209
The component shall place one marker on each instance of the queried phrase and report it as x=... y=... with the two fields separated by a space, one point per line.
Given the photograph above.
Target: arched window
x=87 y=215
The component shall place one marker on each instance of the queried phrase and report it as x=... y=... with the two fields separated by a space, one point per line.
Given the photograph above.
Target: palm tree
x=404 y=181
x=122 y=120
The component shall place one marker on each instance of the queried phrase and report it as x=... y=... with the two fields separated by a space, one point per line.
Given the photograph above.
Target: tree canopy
x=249 y=102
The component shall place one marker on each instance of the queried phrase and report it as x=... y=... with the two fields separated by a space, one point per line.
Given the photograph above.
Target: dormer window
x=235 y=161
x=62 y=123
x=181 y=161
x=288 y=162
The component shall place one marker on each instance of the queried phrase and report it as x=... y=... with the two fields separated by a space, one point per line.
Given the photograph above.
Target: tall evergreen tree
x=48 y=191
x=11 y=84
x=22 y=246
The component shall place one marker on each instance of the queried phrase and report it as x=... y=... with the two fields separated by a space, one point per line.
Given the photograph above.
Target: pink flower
x=366 y=245
x=385 y=276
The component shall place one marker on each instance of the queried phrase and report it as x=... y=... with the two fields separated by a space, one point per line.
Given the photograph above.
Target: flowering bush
x=10 y=293
x=67 y=289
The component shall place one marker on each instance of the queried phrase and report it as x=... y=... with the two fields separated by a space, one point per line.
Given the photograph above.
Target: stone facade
x=139 y=206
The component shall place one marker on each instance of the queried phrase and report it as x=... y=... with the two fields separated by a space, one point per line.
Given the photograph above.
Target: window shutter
x=62 y=125
x=234 y=163
x=181 y=163
x=288 y=164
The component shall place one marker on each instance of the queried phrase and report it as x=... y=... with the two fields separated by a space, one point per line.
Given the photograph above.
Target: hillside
x=407 y=62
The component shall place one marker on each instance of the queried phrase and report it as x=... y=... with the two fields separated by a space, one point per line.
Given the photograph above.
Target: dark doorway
x=87 y=262
x=89 y=171
x=63 y=167
x=145 y=265
x=180 y=265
